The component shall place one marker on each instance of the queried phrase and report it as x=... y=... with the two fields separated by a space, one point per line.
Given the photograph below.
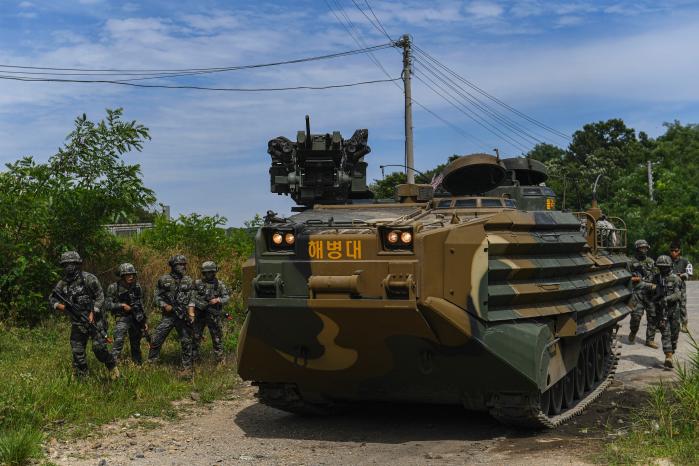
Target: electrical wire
x=522 y=136
x=200 y=88
x=493 y=98
x=483 y=106
x=351 y=30
x=383 y=29
x=141 y=72
x=444 y=94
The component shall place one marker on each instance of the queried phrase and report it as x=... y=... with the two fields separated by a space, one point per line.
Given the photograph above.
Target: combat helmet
x=177 y=260
x=209 y=266
x=70 y=257
x=663 y=261
x=127 y=269
x=641 y=243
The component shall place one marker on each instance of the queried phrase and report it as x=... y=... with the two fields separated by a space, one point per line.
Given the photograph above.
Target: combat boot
x=632 y=338
x=114 y=373
x=651 y=344
x=668 y=360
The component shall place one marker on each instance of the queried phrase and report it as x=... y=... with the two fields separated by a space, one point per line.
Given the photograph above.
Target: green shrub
x=48 y=208
x=668 y=426
x=19 y=447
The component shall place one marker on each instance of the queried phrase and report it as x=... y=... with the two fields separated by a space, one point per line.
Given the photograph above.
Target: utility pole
x=407 y=71
x=650 y=181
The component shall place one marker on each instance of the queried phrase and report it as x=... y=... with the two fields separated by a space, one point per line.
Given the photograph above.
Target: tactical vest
x=78 y=292
x=177 y=290
x=208 y=291
x=129 y=296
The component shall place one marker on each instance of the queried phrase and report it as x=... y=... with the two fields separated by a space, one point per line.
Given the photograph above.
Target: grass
x=39 y=398
x=668 y=426
x=19 y=446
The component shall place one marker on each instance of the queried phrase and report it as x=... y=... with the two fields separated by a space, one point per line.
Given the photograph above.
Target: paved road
x=642 y=364
x=240 y=431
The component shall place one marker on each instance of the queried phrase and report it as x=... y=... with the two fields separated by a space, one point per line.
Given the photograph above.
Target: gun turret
x=320 y=168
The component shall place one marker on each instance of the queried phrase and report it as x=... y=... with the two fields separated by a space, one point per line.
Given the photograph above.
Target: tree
x=48 y=208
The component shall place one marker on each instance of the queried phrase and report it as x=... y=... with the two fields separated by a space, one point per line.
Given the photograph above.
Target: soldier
x=80 y=295
x=666 y=300
x=173 y=295
x=642 y=268
x=123 y=299
x=210 y=295
x=684 y=269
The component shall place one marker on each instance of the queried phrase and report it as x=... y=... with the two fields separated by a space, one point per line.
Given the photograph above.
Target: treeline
x=62 y=204
x=619 y=156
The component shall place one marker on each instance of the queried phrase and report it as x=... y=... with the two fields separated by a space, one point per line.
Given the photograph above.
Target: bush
x=668 y=426
x=17 y=448
x=48 y=208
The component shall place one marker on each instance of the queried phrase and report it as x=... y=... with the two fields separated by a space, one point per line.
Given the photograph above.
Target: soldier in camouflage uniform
x=210 y=295
x=683 y=268
x=84 y=291
x=173 y=295
x=667 y=295
x=642 y=268
x=121 y=295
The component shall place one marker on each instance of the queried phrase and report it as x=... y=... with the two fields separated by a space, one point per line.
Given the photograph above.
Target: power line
x=200 y=88
x=349 y=27
x=493 y=98
x=519 y=134
x=465 y=110
x=383 y=29
x=474 y=100
x=140 y=72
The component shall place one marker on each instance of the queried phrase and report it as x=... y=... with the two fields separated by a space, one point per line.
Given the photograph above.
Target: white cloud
x=483 y=9
x=25 y=5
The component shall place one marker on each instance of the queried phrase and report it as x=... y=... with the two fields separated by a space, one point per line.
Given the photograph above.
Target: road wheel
x=590 y=356
x=568 y=383
x=600 y=361
x=579 y=377
x=556 y=397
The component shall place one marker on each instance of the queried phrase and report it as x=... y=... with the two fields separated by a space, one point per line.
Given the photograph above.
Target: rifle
x=180 y=311
x=661 y=310
x=133 y=299
x=74 y=311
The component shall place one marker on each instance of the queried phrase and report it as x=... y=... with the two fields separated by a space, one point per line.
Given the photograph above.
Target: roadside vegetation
x=667 y=427
x=50 y=207
x=39 y=399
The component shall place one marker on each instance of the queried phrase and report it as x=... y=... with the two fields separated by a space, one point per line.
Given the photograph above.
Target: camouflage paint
x=483 y=305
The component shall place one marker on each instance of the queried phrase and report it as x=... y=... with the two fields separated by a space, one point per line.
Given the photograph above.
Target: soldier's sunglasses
x=674 y=250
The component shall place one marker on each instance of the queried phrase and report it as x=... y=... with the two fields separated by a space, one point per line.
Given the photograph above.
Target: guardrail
x=128 y=229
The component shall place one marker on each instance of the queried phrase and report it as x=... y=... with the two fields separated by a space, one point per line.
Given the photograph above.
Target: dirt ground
x=237 y=430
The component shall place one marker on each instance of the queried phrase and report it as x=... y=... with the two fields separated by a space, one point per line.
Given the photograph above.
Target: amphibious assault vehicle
x=465 y=300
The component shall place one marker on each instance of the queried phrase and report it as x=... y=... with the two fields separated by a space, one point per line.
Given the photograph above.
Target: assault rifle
x=74 y=311
x=179 y=310
x=661 y=310
x=133 y=299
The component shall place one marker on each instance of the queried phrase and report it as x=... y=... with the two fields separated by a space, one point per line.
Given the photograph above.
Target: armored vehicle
x=466 y=300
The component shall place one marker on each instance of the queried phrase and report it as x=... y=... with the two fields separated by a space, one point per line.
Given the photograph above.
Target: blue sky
x=564 y=63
